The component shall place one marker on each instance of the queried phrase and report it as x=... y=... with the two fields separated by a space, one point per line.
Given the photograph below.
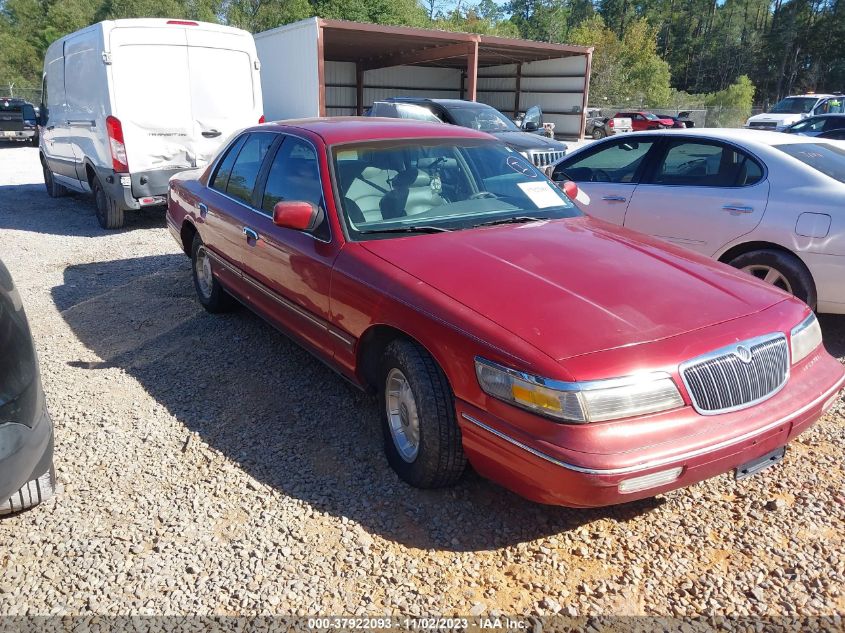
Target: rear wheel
x=422 y=439
x=32 y=493
x=783 y=270
x=210 y=292
x=109 y=214
x=54 y=189
x=598 y=133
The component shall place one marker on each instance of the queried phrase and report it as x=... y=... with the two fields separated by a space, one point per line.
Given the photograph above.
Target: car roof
x=449 y=103
x=761 y=137
x=351 y=129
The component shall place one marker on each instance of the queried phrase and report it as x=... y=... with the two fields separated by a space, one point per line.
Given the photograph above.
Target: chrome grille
x=543 y=159
x=767 y=125
x=738 y=376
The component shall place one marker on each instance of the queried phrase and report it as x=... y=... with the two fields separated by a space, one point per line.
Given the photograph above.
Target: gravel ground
x=211 y=466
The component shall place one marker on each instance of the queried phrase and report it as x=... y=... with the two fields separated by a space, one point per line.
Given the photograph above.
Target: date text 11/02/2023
x=500 y=623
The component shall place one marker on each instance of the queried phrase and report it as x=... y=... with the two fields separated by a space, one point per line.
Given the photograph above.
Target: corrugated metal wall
x=398 y=81
x=564 y=78
x=289 y=70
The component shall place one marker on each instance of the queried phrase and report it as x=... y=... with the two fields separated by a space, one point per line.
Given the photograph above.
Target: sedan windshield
x=485 y=119
x=823 y=157
x=430 y=185
x=794 y=105
x=651 y=117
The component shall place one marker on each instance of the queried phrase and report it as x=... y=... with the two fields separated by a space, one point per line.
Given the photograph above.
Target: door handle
x=736 y=209
x=203 y=209
x=614 y=198
x=82 y=123
x=251 y=234
x=211 y=133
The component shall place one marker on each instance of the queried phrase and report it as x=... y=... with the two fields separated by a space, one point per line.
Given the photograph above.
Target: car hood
x=777 y=118
x=522 y=141
x=574 y=286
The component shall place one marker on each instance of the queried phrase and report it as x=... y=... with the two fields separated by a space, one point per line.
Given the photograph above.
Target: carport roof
x=378 y=46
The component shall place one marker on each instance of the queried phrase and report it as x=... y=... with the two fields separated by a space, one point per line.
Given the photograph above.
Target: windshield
x=794 y=105
x=429 y=185
x=650 y=116
x=822 y=157
x=484 y=119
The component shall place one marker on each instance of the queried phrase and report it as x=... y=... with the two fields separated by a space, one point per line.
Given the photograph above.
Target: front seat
x=412 y=194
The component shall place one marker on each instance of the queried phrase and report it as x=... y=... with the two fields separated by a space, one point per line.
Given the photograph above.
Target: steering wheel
x=599 y=175
x=480 y=195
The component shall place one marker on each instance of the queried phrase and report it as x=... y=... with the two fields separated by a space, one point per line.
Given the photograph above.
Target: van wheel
x=54 y=189
x=211 y=294
x=109 y=214
x=32 y=493
x=780 y=269
x=421 y=435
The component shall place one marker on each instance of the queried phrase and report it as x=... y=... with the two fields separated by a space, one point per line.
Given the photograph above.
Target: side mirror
x=296 y=215
x=530 y=126
x=569 y=188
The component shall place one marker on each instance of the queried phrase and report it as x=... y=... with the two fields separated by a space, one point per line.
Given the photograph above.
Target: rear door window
x=241 y=183
x=221 y=83
x=224 y=169
x=705 y=164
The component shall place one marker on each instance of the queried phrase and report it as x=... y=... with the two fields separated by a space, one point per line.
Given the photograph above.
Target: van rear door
x=210 y=89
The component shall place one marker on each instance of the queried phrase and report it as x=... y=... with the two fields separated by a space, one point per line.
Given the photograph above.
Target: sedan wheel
x=422 y=438
x=780 y=269
x=770 y=275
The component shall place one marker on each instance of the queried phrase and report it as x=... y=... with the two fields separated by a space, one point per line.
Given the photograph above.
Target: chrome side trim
x=292 y=307
x=669 y=460
x=222 y=262
x=587 y=385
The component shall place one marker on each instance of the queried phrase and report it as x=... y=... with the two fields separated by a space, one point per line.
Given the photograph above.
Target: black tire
x=790 y=267
x=214 y=297
x=32 y=493
x=109 y=213
x=598 y=133
x=440 y=459
x=54 y=189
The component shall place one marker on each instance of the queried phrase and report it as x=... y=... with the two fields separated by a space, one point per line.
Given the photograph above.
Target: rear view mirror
x=296 y=215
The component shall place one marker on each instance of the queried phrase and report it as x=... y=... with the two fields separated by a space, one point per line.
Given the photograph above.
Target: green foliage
x=626 y=70
x=732 y=106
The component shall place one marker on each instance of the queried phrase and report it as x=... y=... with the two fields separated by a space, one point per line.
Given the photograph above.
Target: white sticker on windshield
x=541 y=194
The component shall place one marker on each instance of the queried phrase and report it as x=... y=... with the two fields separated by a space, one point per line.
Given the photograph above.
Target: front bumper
x=558 y=476
x=26 y=452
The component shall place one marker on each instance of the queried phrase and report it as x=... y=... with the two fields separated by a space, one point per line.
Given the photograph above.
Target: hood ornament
x=743 y=353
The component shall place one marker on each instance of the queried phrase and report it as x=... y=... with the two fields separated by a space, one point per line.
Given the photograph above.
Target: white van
x=128 y=103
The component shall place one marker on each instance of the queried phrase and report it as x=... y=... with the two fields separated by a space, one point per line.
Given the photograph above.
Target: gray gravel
x=211 y=466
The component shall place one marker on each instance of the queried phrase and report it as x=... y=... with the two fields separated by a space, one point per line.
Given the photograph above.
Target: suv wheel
x=54 y=189
x=109 y=214
x=598 y=133
x=780 y=269
x=422 y=439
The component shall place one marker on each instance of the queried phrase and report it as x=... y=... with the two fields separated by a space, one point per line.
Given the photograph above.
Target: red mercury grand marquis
x=572 y=361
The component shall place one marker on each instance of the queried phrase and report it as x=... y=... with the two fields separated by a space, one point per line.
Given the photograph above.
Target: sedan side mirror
x=569 y=188
x=296 y=214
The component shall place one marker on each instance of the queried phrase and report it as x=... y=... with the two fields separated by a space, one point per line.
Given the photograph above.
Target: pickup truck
x=18 y=121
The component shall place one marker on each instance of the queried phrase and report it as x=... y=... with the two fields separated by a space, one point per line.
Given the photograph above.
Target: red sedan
x=570 y=360
x=641 y=121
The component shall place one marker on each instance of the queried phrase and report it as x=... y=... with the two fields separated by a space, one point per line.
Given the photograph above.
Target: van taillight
x=183 y=22
x=118 y=148
x=261 y=119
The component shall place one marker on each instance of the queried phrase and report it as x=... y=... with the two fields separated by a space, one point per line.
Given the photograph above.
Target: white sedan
x=768 y=203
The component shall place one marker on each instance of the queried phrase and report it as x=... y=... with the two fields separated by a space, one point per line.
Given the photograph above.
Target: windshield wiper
x=519 y=219
x=409 y=229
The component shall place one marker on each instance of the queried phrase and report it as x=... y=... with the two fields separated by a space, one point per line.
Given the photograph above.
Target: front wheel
x=782 y=270
x=422 y=439
x=598 y=133
x=109 y=214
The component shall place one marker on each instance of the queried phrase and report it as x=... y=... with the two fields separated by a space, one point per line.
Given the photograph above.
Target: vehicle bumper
x=137 y=190
x=26 y=452
x=17 y=135
x=828 y=272
x=553 y=475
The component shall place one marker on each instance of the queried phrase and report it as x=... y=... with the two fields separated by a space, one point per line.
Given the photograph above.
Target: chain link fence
x=18 y=91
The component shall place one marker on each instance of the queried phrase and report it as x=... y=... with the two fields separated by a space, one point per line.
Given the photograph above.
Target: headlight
x=579 y=402
x=805 y=337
